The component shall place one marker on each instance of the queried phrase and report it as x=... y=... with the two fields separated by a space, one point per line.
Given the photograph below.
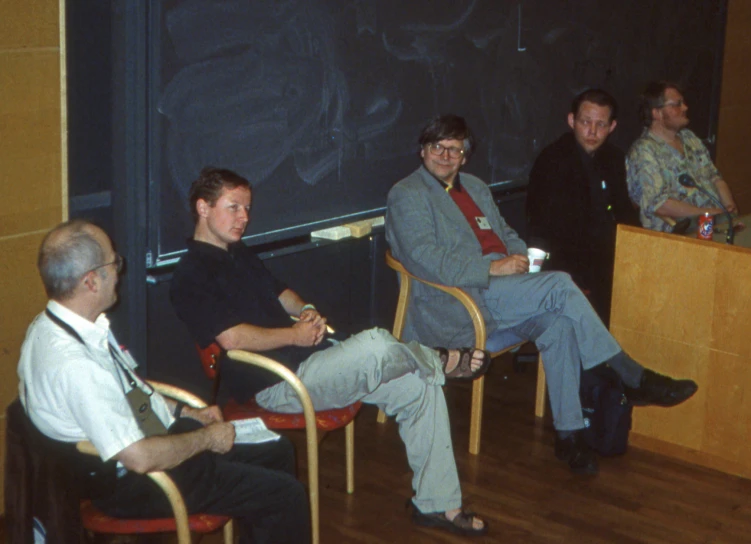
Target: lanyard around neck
x=113 y=353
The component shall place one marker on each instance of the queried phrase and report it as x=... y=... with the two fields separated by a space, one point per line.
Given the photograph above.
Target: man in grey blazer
x=445 y=227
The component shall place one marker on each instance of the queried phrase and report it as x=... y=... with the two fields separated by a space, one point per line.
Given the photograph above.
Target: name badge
x=483 y=223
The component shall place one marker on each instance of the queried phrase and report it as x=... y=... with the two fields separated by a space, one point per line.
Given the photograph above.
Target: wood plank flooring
x=526 y=494
x=521 y=489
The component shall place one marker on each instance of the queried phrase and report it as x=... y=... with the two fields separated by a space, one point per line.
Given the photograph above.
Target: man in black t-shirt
x=224 y=294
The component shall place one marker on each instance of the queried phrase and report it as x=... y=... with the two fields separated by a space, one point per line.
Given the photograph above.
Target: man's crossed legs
x=403 y=380
x=549 y=309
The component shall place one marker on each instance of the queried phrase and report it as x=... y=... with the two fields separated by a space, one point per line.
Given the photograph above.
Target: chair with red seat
x=47 y=486
x=98 y=522
x=323 y=420
x=495 y=343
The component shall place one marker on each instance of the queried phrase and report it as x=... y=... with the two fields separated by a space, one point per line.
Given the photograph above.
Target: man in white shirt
x=77 y=384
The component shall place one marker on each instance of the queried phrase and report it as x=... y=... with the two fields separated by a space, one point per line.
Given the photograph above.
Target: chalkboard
x=319 y=103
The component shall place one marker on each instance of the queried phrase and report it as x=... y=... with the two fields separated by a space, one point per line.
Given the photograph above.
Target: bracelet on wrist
x=307 y=307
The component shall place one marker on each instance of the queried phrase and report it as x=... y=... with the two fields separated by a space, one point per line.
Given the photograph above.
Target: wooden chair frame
x=478 y=385
x=311 y=433
x=162 y=479
x=210 y=362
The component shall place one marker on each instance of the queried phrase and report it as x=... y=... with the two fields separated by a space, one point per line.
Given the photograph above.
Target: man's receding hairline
x=69 y=231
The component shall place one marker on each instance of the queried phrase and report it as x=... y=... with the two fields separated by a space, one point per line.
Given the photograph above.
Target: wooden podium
x=682 y=307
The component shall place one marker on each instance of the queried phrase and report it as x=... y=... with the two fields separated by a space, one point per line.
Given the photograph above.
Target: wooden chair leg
x=229 y=537
x=349 y=434
x=475 y=418
x=540 y=399
x=381 y=417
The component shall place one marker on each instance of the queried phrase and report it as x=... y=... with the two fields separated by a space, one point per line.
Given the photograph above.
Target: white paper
x=252 y=431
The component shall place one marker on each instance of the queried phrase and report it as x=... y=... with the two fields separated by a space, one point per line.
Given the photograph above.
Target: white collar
x=92 y=333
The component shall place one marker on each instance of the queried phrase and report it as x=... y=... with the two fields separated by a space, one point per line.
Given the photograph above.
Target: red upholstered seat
x=99 y=522
x=326 y=420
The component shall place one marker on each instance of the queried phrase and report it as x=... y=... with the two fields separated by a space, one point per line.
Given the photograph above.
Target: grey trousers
x=403 y=380
x=549 y=309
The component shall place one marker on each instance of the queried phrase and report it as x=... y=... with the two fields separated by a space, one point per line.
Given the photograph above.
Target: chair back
x=210 y=357
x=405 y=286
x=461 y=295
x=38 y=484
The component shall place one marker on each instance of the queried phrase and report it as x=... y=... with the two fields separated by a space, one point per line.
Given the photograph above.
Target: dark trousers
x=255 y=484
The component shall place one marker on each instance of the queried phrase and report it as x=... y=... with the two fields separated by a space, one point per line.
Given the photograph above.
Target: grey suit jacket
x=433 y=240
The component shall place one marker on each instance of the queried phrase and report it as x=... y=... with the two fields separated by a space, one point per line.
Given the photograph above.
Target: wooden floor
x=527 y=495
x=517 y=484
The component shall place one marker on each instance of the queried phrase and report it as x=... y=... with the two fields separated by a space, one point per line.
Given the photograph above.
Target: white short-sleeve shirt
x=74 y=391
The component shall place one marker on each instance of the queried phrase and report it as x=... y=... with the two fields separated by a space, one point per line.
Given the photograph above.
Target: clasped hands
x=310 y=329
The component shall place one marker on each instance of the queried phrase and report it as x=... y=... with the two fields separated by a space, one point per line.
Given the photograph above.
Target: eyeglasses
x=676 y=104
x=438 y=149
x=118 y=262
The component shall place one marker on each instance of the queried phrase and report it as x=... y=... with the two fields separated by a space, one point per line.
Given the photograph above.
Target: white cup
x=536 y=257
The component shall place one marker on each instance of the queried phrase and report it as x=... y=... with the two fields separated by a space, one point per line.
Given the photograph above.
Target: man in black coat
x=577 y=194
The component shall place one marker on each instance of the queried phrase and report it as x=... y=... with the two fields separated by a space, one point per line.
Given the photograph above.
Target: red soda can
x=706 y=227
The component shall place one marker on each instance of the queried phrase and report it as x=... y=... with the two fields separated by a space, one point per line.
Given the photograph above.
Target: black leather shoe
x=660 y=390
x=575 y=450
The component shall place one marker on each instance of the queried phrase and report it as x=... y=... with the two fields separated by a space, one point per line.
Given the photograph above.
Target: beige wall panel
x=735 y=83
x=28 y=23
x=30 y=157
x=9 y=354
x=21 y=298
x=739 y=20
x=642 y=264
x=675 y=359
x=735 y=133
x=733 y=158
x=2 y=473
x=31 y=167
x=743 y=198
x=29 y=82
x=39 y=207
x=734 y=130
x=732 y=311
x=21 y=292
x=728 y=408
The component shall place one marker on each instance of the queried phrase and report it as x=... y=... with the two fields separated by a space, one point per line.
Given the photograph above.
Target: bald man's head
x=69 y=251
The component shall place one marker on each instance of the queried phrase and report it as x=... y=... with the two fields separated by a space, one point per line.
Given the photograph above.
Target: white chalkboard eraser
x=333 y=233
x=378 y=221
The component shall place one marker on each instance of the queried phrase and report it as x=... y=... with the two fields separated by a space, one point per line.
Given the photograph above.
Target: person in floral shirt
x=665 y=151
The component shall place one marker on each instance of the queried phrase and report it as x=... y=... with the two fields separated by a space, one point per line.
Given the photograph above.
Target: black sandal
x=460 y=525
x=463 y=368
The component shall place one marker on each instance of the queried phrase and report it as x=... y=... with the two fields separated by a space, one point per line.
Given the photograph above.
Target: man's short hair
x=210 y=184
x=67 y=253
x=448 y=127
x=654 y=97
x=596 y=96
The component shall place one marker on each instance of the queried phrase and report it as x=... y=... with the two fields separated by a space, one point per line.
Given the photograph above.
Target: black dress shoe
x=575 y=450
x=660 y=390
